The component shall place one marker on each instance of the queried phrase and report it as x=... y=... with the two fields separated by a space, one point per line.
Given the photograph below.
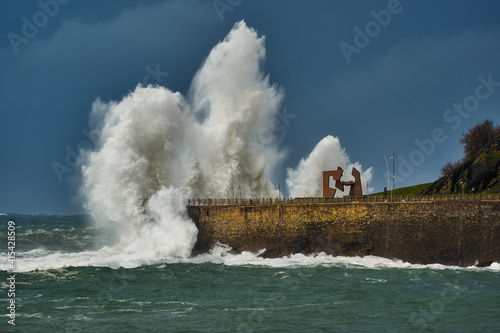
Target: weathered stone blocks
x=453 y=233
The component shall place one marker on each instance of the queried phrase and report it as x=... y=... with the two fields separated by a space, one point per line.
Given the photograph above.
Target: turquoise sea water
x=59 y=289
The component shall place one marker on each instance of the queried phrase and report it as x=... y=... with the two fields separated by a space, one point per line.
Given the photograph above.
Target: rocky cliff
x=477 y=175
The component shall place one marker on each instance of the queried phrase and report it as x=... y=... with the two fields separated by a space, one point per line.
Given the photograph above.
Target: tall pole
x=240 y=190
x=393 y=174
x=388 y=174
x=392 y=189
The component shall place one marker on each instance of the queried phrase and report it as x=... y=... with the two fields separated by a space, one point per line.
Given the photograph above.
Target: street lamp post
x=388 y=174
x=393 y=174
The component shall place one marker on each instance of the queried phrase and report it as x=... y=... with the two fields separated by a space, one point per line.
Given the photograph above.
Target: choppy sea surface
x=67 y=279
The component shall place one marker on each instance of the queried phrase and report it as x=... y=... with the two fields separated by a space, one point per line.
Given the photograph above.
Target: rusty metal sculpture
x=336 y=174
x=356 y=188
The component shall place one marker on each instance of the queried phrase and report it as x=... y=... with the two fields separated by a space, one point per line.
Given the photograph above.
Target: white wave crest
x=114 y=257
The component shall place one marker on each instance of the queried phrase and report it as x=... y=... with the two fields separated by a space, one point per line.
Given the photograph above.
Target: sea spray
x=233 y=101
x=306 y=179
x=157 y=149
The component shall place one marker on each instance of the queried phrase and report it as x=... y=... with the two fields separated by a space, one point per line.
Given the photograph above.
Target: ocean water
x=70 y=278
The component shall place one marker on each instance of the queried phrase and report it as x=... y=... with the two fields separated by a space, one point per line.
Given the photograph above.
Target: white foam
x=106 y=257
x=495 y=266
x=221 y=255
x=114 y=257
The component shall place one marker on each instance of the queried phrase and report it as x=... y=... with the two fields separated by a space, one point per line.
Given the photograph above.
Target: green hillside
x=410 y=190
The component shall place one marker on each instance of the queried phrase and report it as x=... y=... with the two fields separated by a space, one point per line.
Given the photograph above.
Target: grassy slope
x=410 y=190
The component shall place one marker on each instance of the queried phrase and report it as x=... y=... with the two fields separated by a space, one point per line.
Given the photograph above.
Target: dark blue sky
x=391 y=86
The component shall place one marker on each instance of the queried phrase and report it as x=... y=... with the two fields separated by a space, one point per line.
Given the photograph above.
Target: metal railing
x=346 y=199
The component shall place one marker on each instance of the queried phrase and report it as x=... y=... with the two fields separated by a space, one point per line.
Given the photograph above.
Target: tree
x=448 y=167
x=478 y=137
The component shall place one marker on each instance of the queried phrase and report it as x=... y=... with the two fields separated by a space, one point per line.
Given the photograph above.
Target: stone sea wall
x=452 y=233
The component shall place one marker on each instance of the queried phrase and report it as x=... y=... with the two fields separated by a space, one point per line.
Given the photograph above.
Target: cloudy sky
x=380 y=75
